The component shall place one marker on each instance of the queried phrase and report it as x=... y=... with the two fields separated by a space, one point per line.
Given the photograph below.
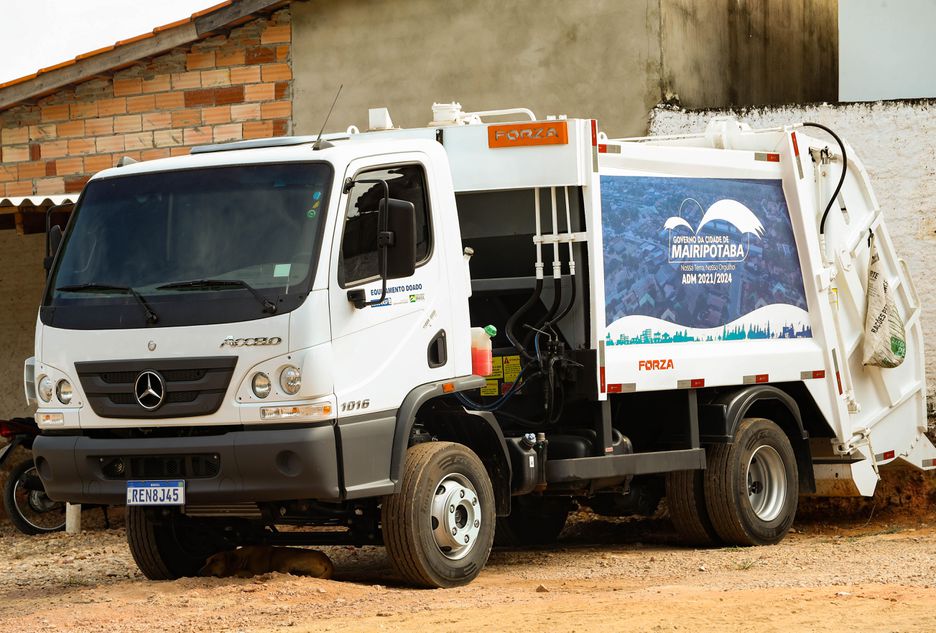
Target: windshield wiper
x=151 y=316
x=220 y=284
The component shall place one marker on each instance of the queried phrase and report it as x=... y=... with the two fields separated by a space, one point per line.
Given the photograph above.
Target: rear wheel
x=532 y=521
x=26 y=503
x=169 y=546
x=752 y=485
x=438 y=530
x=685 y=500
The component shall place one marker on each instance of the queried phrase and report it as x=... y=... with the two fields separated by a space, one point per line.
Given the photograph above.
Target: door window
x=358 y=259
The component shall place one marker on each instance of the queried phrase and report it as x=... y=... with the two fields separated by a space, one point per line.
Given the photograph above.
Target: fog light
x=291 y=380
x=308 y=411
x=261 y=385
x=45 y=388
x=114 y=468
x=63 y=391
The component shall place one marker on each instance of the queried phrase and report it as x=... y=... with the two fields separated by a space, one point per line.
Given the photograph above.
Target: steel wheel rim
x=33 y=504
x=455 y=519
x=766 y=483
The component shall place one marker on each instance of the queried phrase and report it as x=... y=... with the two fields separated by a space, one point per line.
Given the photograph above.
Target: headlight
x=45 y=388
x=290 y=380
x=261 y=385
x=63 y=391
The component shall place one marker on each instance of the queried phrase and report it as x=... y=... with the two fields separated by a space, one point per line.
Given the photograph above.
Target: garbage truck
x=437 y=338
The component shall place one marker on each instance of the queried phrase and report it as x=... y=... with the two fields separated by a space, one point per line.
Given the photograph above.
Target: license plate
x=156 y=493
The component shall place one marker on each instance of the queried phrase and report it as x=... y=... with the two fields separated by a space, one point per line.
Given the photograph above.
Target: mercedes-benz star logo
x=149 y=390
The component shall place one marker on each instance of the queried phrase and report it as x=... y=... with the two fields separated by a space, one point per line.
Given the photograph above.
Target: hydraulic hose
x=571 y=303
x=557 y=271
x=512 y=321
x=537 y=290
x=497 y=404
x=568 y=307
x=841 y=181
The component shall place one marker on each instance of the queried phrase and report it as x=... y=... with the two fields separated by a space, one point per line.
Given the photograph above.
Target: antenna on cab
x=319 y=144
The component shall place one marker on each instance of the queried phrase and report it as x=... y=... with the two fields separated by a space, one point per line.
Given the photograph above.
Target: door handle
x=437 y=354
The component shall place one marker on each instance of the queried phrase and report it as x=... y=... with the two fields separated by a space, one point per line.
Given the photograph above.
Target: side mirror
x=399 y=239
x=55 y=240
x=53 y=235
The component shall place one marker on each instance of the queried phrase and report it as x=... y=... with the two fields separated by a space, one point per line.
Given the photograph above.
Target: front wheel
x=27 y=505
x=166 y=545
x=439 y=528
x=752 y=485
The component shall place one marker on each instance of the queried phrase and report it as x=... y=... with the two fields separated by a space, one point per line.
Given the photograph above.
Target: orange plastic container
x=482 y=359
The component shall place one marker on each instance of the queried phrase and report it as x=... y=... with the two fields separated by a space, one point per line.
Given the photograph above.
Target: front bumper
x=255 y=465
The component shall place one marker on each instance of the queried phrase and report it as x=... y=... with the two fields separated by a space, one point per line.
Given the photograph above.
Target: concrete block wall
x=21 y=283
x=232 y=86
x=896 y=141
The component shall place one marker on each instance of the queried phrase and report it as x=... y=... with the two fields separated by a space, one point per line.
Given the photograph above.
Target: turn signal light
x=303 y=412
x=50 y=418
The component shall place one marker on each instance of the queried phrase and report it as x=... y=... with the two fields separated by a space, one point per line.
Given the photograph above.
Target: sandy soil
x=855 y=564
x=603 y=575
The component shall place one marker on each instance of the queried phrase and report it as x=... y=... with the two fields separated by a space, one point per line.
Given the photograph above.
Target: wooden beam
x=85 y=69
x=18 y=218
x=239 y=10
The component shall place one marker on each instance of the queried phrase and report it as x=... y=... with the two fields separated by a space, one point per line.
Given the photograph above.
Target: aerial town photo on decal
x=699 y=259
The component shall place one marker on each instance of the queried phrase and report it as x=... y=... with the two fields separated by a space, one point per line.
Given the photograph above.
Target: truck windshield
x=241 y=238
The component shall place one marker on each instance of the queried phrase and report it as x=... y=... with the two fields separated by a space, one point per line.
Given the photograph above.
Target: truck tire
x=168 y=547
x=533 y=520
x=752 y=485
x=29 y=509
x=439 y=528
x=685 y=499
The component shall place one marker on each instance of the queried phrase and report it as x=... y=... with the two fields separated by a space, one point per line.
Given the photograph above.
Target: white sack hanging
x=885 y=343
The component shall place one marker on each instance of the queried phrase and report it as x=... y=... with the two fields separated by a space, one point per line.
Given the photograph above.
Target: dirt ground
x=872 y=571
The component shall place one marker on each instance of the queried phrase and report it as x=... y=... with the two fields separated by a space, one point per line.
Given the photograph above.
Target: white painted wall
x=886 y=49
x=897 y=143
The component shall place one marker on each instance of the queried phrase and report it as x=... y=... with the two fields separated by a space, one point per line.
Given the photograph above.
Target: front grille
x=193 y=386
x=116 y=377
x=172 y=396
x=161 y=467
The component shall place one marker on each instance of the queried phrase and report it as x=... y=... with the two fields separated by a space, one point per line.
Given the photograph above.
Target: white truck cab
x=278 y=332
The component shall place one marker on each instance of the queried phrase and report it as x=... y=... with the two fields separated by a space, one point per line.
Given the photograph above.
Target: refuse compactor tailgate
x=715 y=274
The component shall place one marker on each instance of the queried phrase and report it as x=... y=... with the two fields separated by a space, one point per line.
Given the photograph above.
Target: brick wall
x=232 y=86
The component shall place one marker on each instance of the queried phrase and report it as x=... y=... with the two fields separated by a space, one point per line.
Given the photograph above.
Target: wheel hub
x=766 y=483
x=39 y=502
x=456 y=516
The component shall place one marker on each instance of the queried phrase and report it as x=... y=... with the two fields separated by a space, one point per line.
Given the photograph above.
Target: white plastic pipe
x=557 y=263
x=569 y=231
x=484 y=113
x=539 y=234
x=72 y=518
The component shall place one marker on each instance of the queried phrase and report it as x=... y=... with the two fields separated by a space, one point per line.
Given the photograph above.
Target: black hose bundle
x=841 y=181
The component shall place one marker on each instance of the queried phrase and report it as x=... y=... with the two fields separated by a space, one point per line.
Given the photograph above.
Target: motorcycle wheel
x=27 y=505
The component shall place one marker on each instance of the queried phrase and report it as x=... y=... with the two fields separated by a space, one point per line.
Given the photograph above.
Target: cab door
x=383 y=351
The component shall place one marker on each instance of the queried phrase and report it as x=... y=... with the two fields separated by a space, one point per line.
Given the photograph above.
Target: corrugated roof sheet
x=37 y=201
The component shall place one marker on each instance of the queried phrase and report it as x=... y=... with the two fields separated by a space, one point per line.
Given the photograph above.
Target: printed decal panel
x=699 y=259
